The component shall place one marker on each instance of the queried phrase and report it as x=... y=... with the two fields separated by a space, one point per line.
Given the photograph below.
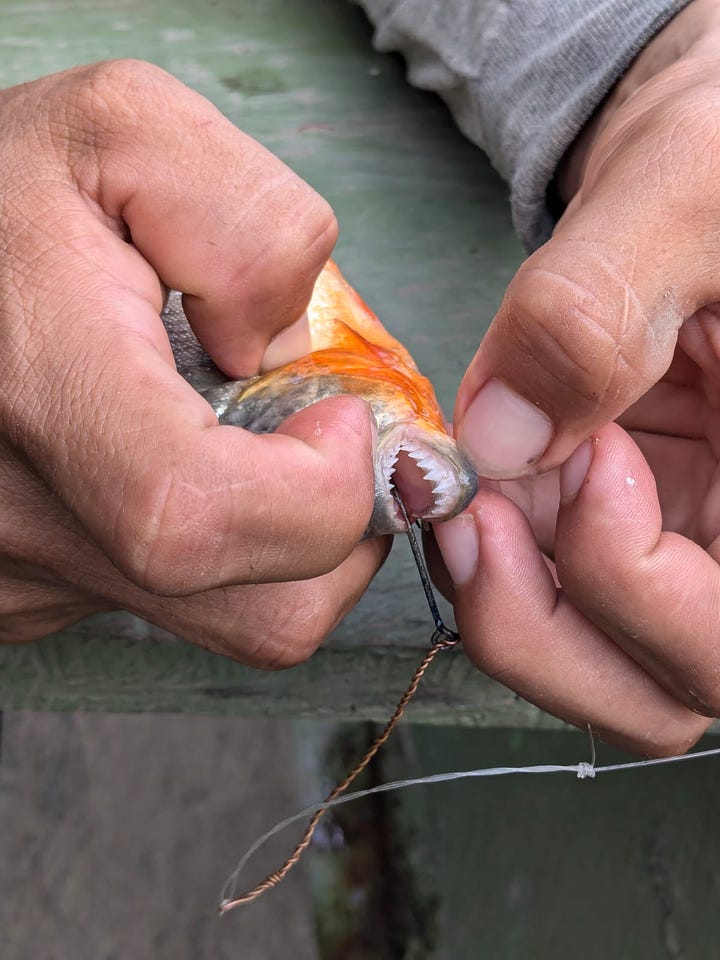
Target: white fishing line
x=582 y=770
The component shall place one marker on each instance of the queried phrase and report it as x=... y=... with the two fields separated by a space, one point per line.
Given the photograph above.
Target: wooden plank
x=108 y=664
x=426 y=237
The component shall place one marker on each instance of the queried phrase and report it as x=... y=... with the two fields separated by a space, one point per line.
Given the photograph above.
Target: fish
x=351 y=352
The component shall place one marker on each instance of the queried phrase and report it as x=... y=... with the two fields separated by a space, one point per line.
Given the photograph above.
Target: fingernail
x=574 y=471
x=502 y=433
x=290 y=344
x=460 y=547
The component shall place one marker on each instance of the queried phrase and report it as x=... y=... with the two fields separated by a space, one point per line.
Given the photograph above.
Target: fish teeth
x=444 y=486
x=422 y=459
x=438 y=475
x=434 y=473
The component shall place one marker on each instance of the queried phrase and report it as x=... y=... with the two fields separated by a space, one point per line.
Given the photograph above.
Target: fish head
x=414 y=455
x=431 y=476
x=413 y=452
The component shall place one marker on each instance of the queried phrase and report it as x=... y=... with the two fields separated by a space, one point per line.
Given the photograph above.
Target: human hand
x=118 y=488
x=617 y=317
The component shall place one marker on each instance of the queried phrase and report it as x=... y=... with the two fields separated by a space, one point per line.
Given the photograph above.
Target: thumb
x=590 y=321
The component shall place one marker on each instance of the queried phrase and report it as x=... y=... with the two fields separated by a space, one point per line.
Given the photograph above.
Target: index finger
x=217 y=215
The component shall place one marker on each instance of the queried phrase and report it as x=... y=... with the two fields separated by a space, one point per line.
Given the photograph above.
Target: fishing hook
x=443 y=635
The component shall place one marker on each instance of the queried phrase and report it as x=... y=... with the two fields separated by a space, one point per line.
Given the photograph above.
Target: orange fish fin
x=337 y=308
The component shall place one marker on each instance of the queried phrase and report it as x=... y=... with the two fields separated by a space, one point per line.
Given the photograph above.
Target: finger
x=181 y=504
x=215 y=213
x=245 y=242
x=272 y=626
x=656 y=593
x=520 y=630
x=32 y=609
x=122 y=440
x=684 y=472
x=591 y=320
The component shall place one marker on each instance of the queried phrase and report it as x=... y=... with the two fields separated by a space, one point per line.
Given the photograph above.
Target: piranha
x=351 y=352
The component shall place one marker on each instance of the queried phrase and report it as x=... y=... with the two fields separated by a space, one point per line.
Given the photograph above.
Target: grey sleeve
x=520 y=76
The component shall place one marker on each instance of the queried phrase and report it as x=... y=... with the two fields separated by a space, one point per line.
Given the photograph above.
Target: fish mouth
x=424 y=482
x=432 y=478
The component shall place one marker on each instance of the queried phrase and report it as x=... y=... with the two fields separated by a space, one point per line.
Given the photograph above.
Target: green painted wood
x=426 y=238
x=115 y=663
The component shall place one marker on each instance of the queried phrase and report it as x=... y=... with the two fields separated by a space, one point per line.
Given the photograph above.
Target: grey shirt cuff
x=522 y=77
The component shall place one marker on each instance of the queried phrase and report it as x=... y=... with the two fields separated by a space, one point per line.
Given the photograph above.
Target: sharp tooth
x=435 y=474
x=443 y=487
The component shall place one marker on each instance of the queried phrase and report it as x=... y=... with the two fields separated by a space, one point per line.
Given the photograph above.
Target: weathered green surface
x=550 y=867
x=425 y=235
x=108 y=665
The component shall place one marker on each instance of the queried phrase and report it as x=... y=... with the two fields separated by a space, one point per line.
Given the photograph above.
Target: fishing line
x=582 y=770
x=443 y=638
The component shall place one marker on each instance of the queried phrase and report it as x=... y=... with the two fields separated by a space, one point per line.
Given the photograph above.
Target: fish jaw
x=421 y=461
x=430 y=474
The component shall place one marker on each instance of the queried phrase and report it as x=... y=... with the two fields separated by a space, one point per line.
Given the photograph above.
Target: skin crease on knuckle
x=572 y=339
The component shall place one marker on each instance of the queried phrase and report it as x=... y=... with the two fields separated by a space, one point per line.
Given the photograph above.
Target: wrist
x=694 y=32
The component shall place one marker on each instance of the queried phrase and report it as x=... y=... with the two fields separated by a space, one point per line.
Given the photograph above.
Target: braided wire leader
x=443 y=638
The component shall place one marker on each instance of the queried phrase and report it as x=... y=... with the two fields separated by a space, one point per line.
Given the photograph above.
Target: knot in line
x=585 y=771
x=444 y=637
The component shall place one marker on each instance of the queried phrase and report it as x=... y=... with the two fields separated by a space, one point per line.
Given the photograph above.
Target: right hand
x=118 y=488
x=616 y=317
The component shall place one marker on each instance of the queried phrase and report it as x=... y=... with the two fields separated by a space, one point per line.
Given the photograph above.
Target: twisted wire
x=274 y=878
x=442 y=639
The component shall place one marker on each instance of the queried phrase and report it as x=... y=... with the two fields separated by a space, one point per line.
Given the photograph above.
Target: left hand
x=617 y=318
x=118 y=486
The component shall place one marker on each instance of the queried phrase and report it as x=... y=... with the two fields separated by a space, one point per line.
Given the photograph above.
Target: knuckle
x=594 y=349
x=119 y=81
x=285 y=637
x=300 y=620
x=293 y=653
x=321 y=229
x=160 y=538
x=302 y=240
x=680 y=130
x=113 y=97
x=280 y=269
